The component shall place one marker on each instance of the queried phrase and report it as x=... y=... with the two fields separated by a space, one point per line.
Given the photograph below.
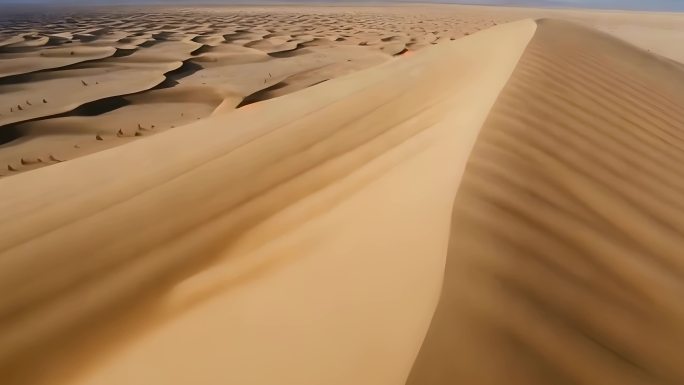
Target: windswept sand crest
x=565 y=258
x=252 y=246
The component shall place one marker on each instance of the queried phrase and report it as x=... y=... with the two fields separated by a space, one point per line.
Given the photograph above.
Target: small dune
x=49 y=58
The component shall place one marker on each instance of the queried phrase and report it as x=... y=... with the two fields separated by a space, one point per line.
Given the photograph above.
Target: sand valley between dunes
x=341 y=195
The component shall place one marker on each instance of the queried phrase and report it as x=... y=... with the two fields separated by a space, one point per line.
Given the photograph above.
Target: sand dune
x=341 y=197
x=245 y=55
x=263 y=187
x=27 y=62
x=566 y=243
x=102 y=56
x=117 y=121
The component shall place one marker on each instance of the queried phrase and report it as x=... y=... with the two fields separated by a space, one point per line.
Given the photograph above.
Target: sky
x=654 y=5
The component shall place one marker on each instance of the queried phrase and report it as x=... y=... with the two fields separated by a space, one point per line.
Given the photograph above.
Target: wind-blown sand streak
x=266 y=237
x=565 y=260
x=302 y=237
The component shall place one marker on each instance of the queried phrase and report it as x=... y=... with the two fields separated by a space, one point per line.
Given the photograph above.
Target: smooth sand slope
x=565 y=260
x=300 y=240
x=303 y=239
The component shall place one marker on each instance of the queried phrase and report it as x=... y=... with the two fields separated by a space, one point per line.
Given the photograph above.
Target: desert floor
x=341 y=195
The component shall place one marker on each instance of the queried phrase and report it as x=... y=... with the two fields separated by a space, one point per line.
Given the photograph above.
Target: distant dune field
x=94 y=79
x=82 y=80
x=263 y=195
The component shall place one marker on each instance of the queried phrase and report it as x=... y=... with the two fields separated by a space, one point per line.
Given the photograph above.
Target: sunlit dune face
x=501 y=208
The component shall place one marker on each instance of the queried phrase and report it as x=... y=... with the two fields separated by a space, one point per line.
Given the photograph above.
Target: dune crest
x=336 y=197
x=565 y=258
x=499 y=209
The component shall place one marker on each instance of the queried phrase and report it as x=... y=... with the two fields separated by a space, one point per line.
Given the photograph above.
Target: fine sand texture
x=565 y=259
x=341 y=195
x=305 y=234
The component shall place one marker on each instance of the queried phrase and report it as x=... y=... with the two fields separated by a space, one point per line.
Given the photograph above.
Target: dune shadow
x=9 y=133
x=121 y=52
x=172 y=77
x=204 y=48
x=98 y=107
x=271 y=92
x=261 y=95
x=297 y=51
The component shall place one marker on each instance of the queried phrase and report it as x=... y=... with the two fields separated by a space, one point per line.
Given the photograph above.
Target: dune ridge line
x=565 y=254
x=293 y=197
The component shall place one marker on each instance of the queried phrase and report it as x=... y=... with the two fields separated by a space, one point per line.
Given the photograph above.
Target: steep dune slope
x=566 y=255
x=299 y=240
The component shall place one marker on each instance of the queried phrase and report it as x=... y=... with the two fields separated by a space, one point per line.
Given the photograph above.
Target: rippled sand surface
x=337 y=195
x=565 y=263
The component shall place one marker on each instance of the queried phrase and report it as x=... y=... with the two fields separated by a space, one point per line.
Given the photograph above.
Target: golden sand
x=345 y=195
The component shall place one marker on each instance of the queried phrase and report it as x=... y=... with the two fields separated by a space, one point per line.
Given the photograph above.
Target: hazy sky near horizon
x=656 y=5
